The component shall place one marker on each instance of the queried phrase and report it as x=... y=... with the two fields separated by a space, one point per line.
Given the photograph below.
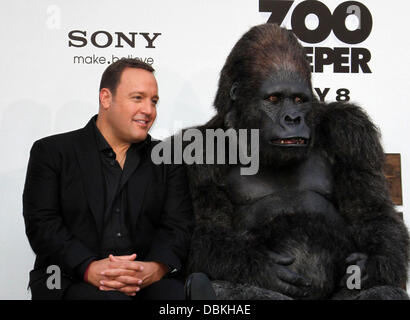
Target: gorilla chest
x=314 y=175
x=301 y=187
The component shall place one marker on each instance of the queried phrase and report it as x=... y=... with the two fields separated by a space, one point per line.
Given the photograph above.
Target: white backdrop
x=44 y=90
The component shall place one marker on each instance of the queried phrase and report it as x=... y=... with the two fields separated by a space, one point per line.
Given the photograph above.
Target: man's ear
x=233 y=92
x=105 y=98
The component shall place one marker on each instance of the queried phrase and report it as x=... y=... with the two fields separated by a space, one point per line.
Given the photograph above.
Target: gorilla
x=319 y=202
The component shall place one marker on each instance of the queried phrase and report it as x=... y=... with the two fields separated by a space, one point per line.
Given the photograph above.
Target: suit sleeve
x=45 y=229
x=172 y=238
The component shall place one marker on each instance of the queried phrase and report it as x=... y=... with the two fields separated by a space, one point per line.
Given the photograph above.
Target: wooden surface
x=392 y=172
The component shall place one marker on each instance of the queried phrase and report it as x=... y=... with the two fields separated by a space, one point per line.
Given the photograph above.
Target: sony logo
x=104 y=39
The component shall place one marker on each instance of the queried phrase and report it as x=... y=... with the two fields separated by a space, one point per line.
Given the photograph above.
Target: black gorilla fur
x=326 y=201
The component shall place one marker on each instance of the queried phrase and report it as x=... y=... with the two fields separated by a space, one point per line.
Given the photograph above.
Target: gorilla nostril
x=290 y=120
x=297 y=120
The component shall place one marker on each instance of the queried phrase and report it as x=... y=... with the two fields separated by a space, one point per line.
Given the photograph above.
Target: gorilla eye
x=298 y=100
x=273 y=99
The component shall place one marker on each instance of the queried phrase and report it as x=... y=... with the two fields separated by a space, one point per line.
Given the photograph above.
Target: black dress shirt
x=116 y=237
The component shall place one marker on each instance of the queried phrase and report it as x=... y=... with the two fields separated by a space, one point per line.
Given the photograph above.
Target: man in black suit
x=95 y=205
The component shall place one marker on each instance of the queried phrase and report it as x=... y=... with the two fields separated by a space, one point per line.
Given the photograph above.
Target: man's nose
x=147 y=107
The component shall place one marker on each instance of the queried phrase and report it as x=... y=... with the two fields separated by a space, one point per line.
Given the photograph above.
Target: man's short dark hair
x=112 y=75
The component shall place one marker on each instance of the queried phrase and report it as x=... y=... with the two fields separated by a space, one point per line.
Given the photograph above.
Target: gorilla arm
x=352 y=141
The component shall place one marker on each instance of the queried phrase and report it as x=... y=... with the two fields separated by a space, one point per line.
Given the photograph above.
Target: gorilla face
x=278 y=107
x=283 y=103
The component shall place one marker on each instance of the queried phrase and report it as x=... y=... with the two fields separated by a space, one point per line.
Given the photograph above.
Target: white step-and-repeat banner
x=54 y=52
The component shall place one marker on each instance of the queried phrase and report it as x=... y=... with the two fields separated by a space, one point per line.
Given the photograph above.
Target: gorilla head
x=266 y=84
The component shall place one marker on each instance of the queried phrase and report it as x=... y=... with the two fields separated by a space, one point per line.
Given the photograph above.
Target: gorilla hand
x=283 y=279
x=359 y=259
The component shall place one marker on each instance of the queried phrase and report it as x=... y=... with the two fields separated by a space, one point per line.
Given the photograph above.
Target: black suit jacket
x=63 y=208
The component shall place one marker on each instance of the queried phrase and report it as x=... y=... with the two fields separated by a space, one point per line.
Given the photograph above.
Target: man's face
x=132 y=109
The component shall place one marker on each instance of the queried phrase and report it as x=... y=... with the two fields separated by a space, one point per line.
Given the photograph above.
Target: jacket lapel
x=90 y=166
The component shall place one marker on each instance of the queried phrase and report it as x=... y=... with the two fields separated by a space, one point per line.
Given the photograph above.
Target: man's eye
x=298 y=100
x=273 y=99
x=155 y=102
x=137 y=97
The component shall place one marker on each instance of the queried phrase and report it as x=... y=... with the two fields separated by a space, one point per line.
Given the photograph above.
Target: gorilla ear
x=233 y=90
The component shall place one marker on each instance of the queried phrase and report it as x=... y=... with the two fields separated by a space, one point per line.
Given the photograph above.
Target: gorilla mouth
x=294 y=141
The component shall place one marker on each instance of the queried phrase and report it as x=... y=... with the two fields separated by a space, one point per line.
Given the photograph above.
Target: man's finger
x=119 y=272
x=129 y=289
x=133 y=294
x=131 y=257
x=112 y=284
x=129 y=280
x=131 y=265
x=103 y=288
